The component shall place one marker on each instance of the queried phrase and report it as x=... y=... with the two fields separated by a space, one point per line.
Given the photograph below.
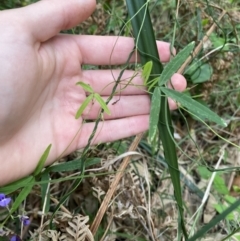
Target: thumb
x=47 y=18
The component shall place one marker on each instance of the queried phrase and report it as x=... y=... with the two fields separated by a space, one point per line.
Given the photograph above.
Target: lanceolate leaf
x=201 y=111
x=175 y=64
x=42 y=161
x=85 y=86
x=147 y=68
x=102 y=103
x=154 y=113
x=84 y=105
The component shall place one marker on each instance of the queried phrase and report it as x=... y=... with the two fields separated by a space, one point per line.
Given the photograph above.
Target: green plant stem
x=146 y=45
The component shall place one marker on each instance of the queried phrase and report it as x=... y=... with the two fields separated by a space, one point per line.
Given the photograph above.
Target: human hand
x=39 y=96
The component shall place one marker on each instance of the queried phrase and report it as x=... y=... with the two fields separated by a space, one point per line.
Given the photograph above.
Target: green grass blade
x=144 y=35
x=173 y=66
x=42 y=161
x=84 y=106
x=216 y=220
x=22 y=195
x=235 y=231
x=200 y=111
x=72 y=165
x=15 y=185
x=146 y=45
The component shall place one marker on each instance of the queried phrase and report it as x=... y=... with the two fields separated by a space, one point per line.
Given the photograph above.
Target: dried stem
x=112 y=189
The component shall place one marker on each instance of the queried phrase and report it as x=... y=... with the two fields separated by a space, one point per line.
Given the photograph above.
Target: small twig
x=111 y=162
x=112 y=189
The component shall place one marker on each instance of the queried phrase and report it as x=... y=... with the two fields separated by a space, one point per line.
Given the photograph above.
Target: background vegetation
x=143 y=206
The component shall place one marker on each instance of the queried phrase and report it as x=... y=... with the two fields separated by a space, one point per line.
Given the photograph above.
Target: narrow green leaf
x=216 y=220
x=146 y=45
x=173 y=66
x=147 y=68
x=85 y=86
x=15 y=185
x=193 y=106
x=22 y=195
x=72 y=165
x=154 y=113
x=45 y=193
x=84 y=105
x=42 y=161
x=102 y=103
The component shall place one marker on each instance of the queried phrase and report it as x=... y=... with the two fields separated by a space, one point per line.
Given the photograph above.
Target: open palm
x=39 y=96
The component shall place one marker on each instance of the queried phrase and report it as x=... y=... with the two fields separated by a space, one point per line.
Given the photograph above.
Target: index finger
x=112 y=50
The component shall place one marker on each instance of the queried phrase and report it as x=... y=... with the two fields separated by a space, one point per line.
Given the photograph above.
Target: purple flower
x=15 y=238
x=25 y=220
x=4 y=201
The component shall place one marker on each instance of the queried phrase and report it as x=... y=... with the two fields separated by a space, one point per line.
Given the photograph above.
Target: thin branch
x=112 y=189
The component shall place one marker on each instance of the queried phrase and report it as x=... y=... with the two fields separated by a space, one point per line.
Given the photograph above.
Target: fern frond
x=78 y=229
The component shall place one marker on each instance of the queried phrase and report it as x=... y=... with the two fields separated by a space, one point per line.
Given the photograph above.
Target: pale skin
x=38 y=93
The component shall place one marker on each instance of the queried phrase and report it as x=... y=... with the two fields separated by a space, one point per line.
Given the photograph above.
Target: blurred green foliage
x=8 y=4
